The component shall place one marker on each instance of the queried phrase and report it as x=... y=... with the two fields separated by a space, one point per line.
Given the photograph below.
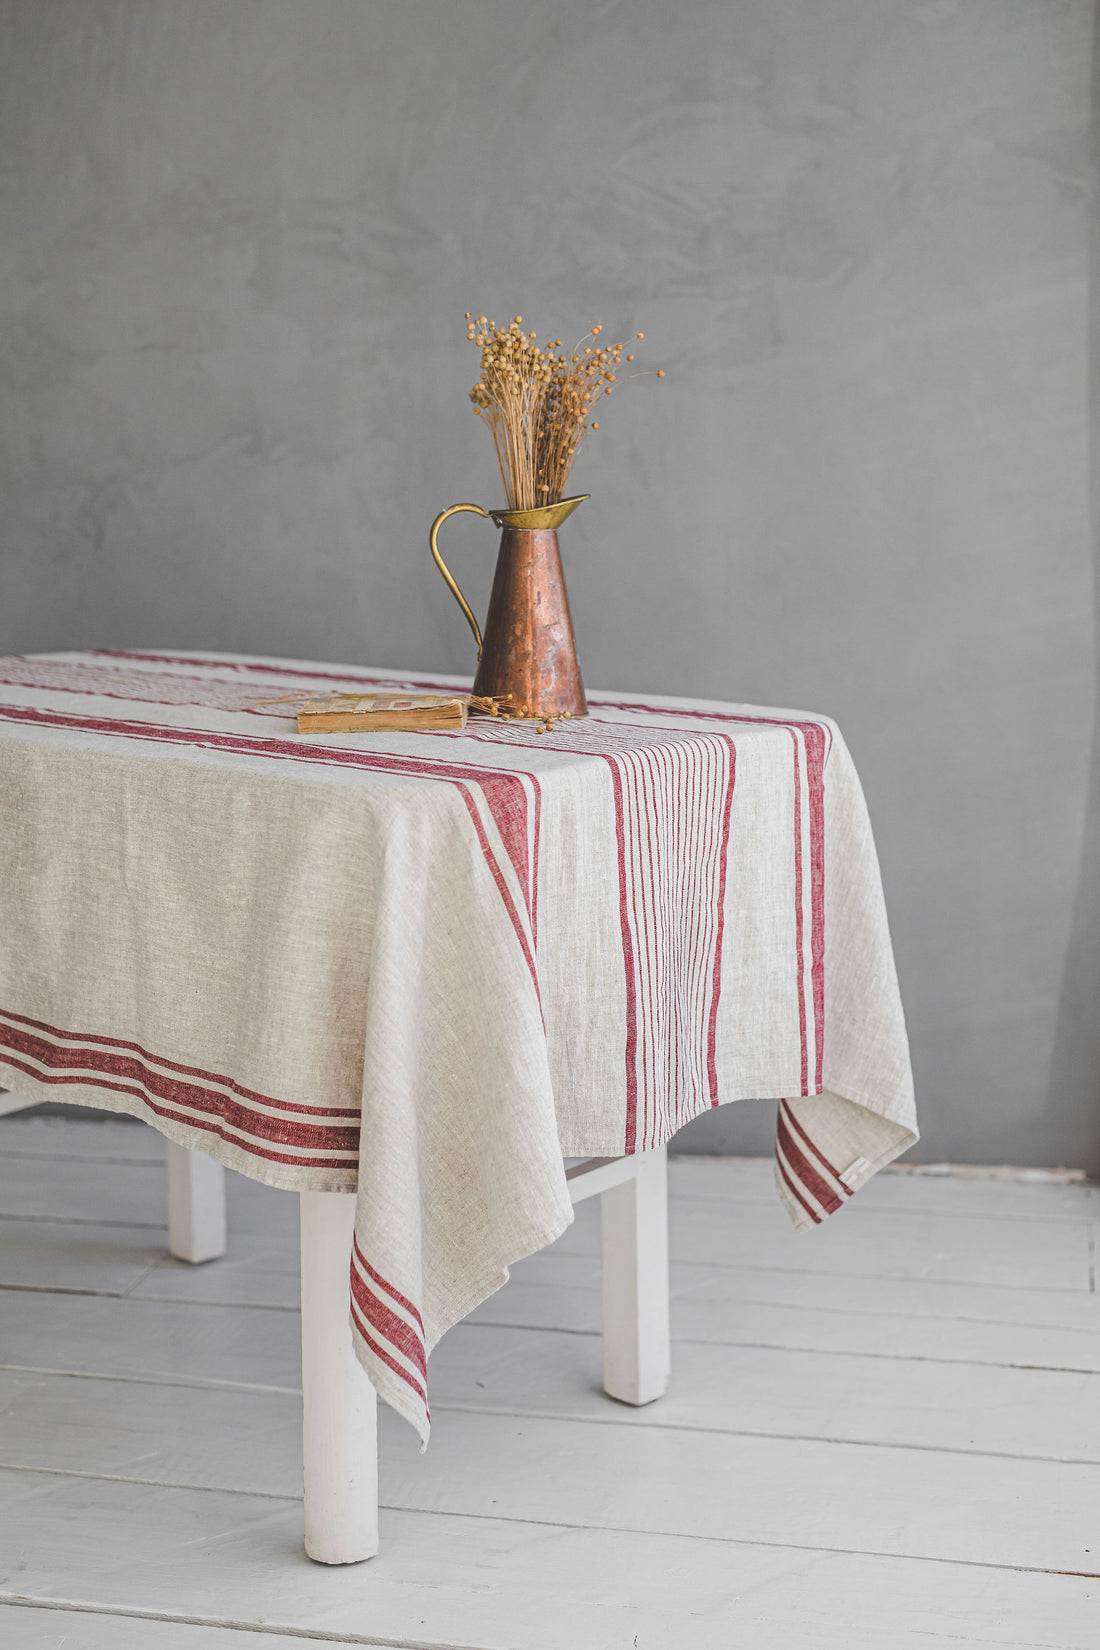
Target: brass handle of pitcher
x=445 y=570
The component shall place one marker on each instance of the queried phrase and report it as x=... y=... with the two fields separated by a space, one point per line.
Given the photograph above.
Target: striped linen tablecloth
x=424 y=966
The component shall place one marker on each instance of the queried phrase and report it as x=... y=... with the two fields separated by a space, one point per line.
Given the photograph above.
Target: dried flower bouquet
x=538 y=403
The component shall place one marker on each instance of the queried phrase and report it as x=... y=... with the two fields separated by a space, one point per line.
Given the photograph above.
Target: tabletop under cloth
x=423 y=966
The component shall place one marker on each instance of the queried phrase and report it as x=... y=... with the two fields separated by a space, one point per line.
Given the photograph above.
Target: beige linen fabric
x=425 y=966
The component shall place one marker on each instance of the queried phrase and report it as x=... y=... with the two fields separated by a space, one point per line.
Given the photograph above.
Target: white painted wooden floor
x=884 y=1435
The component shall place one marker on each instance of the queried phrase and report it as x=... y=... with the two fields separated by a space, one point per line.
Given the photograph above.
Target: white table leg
x=339 y=1406
x=196 y=1205
x=636 y=1337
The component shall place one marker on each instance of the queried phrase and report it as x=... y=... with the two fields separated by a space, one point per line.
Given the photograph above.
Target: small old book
x=380 y=712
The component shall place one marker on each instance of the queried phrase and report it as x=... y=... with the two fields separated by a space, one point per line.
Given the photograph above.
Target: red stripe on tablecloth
x=631 y=1139
x=254 y=668
x=803 y=1168
x=818 y=740
x=704 y=972
x=520 y=840
x=665 y=770
x=814 y=737
x=240 y=744
x=502 y=886
x=178 y=1097
x=612 y=742
x=793 y=1187
x=716 y=982
x=799 y=919
x=387 y=1357
x=73 y=1077
x=395 y=1331
x=137 y=686
x=811 y=1146
x=644 y=915
x=247 y=744
x=384 y=1283
x=533 y=859
x=431 y=683
x=174 y=1065
x=254 y=744
x=660 y=986
x=205 y=691
x=710 y=715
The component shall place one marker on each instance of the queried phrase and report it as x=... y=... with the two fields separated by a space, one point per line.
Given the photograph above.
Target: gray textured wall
x=237 y=243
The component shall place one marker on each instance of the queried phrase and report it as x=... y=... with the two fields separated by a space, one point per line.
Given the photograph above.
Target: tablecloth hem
x=284 y=1177
x=396 y=1379
x=809 y=1198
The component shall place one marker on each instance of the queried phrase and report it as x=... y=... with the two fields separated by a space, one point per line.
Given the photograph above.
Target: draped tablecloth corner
x=425 y=966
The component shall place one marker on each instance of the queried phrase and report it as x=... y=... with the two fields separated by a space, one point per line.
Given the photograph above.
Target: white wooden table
x=659 y=853
x=339 y=1405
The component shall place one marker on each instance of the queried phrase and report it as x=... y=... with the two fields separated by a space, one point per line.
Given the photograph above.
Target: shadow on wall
x=745 y=1129
x=1074 y=1085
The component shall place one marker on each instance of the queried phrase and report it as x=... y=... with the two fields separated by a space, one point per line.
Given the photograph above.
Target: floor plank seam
x=152 y=1377
x=902 y=1168
x=885 y=1278
x=149 y=1483
x=316 y=1635
x=85 y=1220
x=629 y=1416
x=595 y=1334
x=781 y=1306
x=895 y=1281
x=198 y=1300
x=923 y=1317
x=806 y=1308
x=869 y=1212
x=140 y=1300
x=692 y=1537
x=810 y=1351
x=559 y=1417
x=769 y=1546
x=444 y=1408
x=61 y=1289
x=31 y=1156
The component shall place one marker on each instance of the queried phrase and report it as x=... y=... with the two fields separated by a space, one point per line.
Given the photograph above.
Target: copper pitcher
x=528 y=651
